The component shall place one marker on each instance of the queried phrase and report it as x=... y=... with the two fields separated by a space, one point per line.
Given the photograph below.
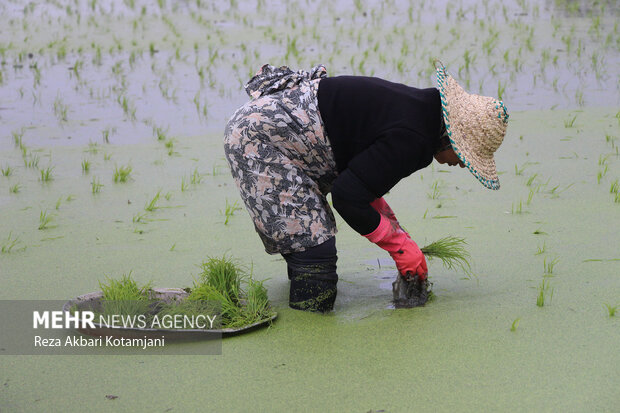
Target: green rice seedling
x=14 y=188
x=95 y=185
x=194 y=308
x=579 y=97
x=58 y=203
x=570 y=122
x=542 y=249
x=515 y=325
x=517 y=209
x=93 y=148
x=173 y=247
x=159 y=133
x=452 y=253
x=257 y=303
x=9 y=244
x=140 y=218
x=168 y=196
x=435 y=190
x=32 y=161
x=230 y=310
x=611 y=140
x=105 y=134
x=46 y=174
x=122 y=174
x=6 y=171
x=531 y=180
x=17 y=137
x=184 y=184
x=152 y=205
x=602 y=160
x=530 y=196
x=601 y=173
x=85 y=166
x=222 y=282
x=169 y=144
x=225 y=275
x=60 y=109
x=45 y=220
x=611 y=310
x=548 y=266
x=501 y=88
x=545 y=293
x=196 y=177
x=230 y=210
x=125 y=297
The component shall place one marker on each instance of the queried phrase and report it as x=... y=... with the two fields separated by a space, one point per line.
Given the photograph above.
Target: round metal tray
x=92 y=300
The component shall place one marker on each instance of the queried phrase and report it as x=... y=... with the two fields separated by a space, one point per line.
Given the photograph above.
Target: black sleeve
x=396 y=154
x=372 y=173
x=352 y=199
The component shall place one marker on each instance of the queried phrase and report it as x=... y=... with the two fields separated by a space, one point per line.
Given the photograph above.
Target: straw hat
x=475 y=124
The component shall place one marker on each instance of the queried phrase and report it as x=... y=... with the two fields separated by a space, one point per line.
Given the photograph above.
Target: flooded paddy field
x=111 y=161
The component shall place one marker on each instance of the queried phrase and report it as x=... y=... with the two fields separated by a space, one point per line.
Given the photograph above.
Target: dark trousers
x=313 y=277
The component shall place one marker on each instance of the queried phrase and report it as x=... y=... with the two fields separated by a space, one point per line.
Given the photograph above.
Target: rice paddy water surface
x=111 y=122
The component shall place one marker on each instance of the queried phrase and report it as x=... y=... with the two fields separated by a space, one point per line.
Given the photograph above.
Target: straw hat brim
x=457 y=107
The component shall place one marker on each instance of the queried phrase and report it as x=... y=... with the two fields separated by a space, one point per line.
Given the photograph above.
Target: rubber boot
x=313 y=277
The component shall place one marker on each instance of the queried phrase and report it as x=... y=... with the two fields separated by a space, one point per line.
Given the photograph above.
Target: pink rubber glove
x=384 y=209
x=404 y=251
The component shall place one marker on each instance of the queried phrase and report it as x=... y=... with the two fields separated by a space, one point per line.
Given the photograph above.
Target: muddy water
x=558 y=66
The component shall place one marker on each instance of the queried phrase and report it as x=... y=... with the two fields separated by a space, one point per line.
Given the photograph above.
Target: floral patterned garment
x=281 y=159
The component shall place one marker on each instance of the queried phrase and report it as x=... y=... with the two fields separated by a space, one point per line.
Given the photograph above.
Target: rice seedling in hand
x=45 y=220
x=452 y=253
x=122 y=174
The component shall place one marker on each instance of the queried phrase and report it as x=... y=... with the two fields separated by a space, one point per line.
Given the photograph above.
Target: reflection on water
x=127 y=72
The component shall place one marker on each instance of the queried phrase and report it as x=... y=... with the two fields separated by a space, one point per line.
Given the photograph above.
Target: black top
x=380 y=132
